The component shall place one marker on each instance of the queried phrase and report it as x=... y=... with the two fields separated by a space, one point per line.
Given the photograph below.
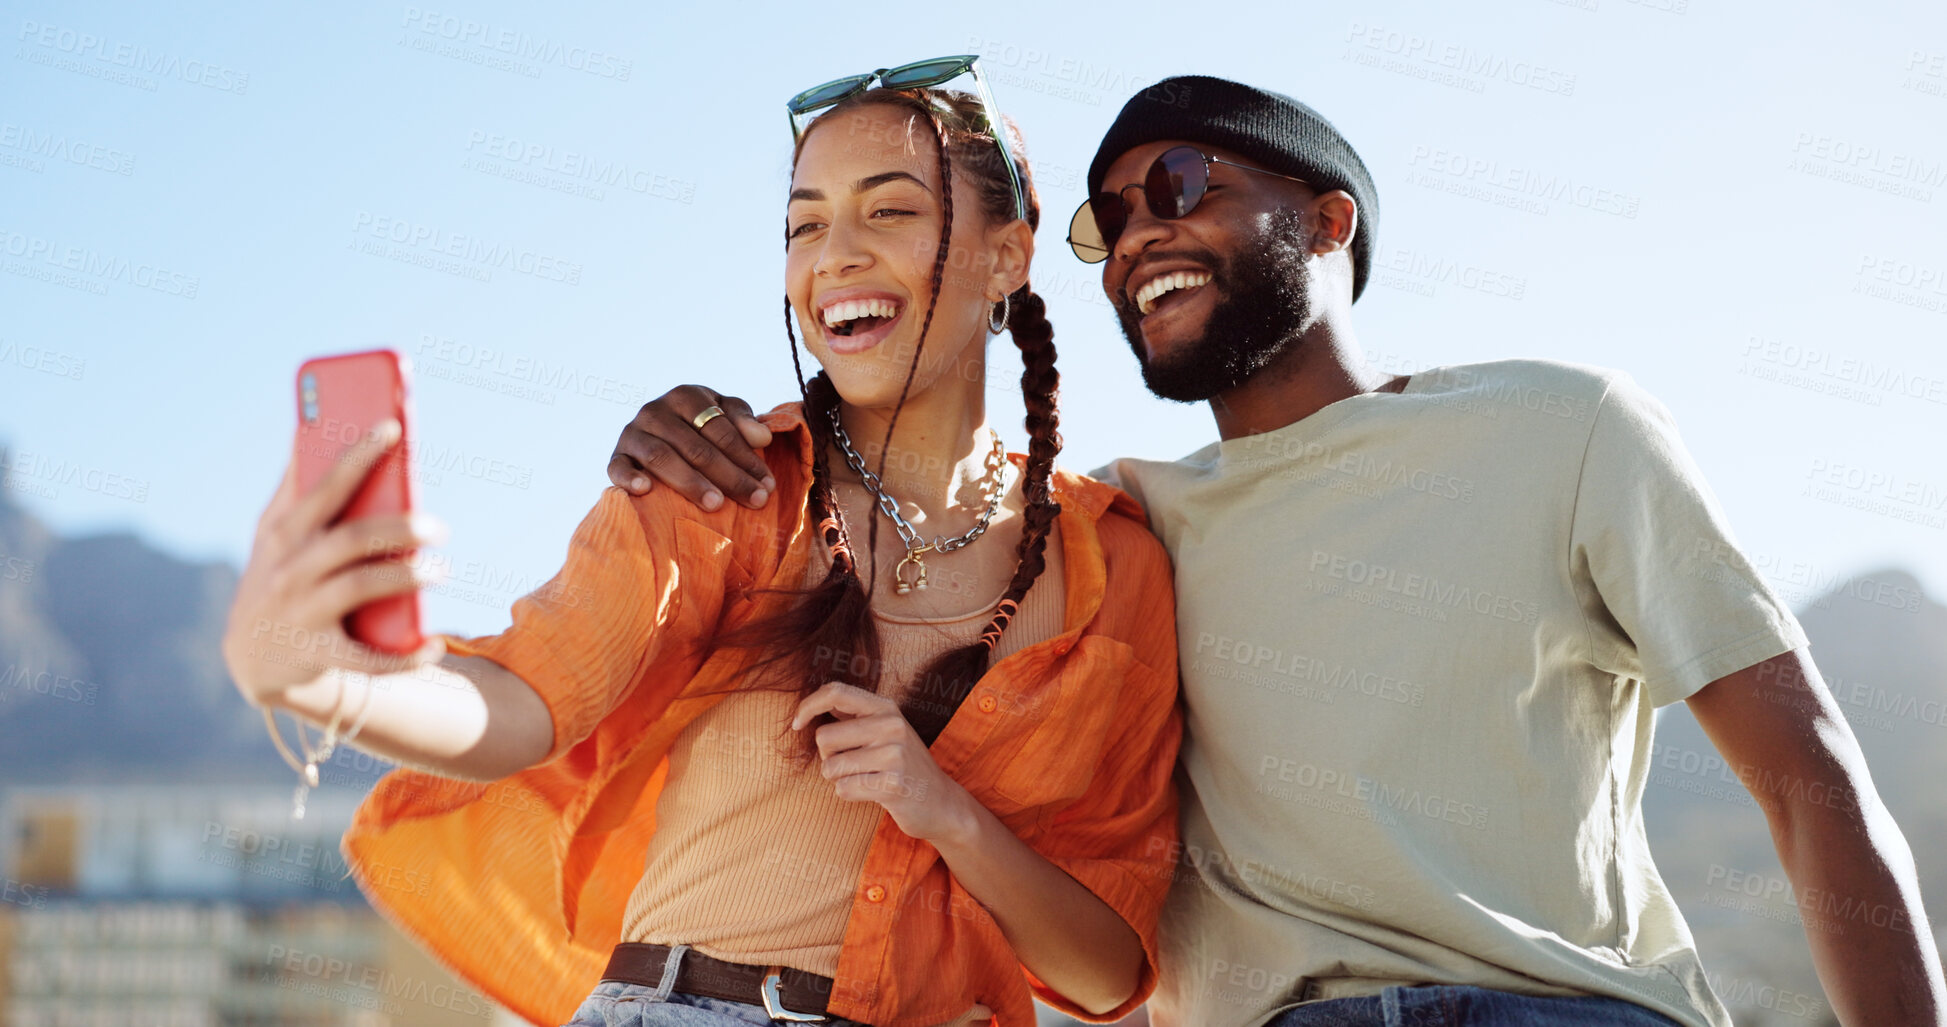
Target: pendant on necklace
x=900 y=585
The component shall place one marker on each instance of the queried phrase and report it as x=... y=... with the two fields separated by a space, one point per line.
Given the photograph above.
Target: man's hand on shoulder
x=703 y=464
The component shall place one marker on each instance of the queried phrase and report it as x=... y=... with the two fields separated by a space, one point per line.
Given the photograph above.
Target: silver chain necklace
x=991 y=484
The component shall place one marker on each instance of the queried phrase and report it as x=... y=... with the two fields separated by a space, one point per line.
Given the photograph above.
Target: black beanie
x=1270 y=128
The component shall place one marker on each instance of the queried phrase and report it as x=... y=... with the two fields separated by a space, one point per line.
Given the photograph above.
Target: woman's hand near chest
x=871 y=753
x=1059 y=929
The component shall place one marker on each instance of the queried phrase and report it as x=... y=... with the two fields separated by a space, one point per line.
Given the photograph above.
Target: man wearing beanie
x=1425 y=623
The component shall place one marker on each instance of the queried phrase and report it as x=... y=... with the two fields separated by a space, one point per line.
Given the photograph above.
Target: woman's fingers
x=353 y=587
x=852 y=733
x=663 y=443
x=275 y=536
x=281 y=500
x=286 y=620
x=278 y=655
x=317 y=509
x=384 y=536
x=871 y=759
x=839 y=699
x=870 y=753
x=874 y=774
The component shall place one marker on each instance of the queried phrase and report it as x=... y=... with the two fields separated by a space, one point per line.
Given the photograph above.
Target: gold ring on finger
x=705 y=416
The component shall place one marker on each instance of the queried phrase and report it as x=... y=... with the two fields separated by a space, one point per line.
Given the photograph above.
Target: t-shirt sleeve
x=641 y=582
x=1669 y=598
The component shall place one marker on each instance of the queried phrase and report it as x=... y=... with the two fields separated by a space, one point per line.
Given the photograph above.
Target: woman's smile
x=855 y=320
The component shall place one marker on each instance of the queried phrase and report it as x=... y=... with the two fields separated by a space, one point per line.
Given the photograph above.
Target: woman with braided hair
x=788 y=763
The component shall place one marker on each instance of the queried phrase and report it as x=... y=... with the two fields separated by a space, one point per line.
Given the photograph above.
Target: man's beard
x=1263 y=302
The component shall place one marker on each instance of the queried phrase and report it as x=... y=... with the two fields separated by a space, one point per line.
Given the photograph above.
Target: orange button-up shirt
x=519 y=885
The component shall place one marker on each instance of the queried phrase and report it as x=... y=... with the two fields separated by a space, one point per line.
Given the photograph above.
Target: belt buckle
x=774 y=1007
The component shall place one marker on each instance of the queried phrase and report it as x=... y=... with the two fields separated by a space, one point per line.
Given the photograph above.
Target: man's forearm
x=1778 y=724
x=1859 y=898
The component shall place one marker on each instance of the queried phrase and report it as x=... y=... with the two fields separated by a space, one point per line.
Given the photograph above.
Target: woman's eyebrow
x=863 y=184
x=875 y=181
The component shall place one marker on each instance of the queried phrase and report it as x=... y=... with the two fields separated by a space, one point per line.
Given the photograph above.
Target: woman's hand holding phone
x=287 y=623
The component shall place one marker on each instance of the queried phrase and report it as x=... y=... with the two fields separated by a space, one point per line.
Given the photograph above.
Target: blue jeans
x=615 y=1004
x=1449 y=1006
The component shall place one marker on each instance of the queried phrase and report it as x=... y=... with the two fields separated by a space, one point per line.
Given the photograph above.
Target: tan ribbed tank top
x=756 y=861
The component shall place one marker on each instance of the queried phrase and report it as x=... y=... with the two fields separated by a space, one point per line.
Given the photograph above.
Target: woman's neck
x=939 y=452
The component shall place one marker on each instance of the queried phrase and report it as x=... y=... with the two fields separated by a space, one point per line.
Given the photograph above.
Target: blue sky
x=1744 y=208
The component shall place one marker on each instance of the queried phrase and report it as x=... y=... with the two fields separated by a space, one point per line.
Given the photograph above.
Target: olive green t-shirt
x=1422 y=638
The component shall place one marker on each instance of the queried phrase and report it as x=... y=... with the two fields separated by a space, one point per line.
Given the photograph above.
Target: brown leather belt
x=785 y=994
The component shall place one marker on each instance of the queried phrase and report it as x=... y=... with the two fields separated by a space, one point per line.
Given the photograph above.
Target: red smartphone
x=340 y=399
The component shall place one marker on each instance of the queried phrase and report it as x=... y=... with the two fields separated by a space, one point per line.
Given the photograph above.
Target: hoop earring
x=1007 y=310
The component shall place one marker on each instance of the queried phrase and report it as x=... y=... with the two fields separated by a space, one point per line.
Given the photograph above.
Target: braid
x=1040 y=382
x=932 y=301
x=822 y=501
x=820 y=398
x=945 y=682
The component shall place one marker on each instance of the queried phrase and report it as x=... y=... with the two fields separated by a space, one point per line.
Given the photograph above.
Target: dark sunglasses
x=1172 y=188
x=917 y=75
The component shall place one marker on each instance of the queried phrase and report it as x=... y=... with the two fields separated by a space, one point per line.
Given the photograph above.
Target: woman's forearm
x=461 y=717
x=1059 y=929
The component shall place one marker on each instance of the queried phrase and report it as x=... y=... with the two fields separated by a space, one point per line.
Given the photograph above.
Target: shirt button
x=987 y=704
x=876 y=893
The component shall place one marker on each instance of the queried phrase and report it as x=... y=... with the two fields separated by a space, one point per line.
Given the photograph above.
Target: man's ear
x=1335 y=221
x=1014 y=246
